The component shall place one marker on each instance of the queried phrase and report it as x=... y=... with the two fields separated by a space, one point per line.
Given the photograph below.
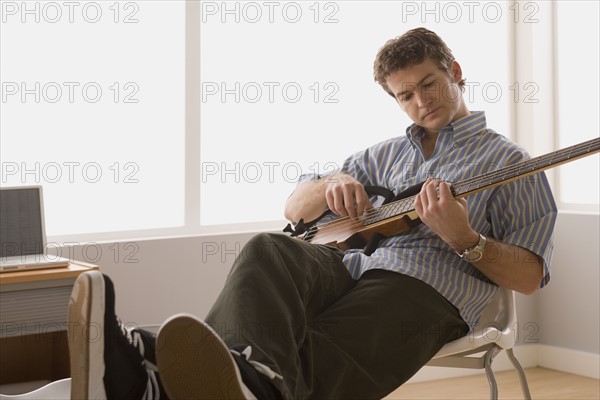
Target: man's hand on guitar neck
x=445 y=215
x=341 y=193
x=506 y=265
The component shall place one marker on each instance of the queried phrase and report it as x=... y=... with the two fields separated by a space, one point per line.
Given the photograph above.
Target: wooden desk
x=33 y=323
x=72 y=271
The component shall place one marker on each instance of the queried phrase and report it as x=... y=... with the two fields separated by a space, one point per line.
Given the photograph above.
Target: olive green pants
x=330 y=336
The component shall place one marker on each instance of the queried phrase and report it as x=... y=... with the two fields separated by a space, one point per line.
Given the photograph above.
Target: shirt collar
x=461 y=129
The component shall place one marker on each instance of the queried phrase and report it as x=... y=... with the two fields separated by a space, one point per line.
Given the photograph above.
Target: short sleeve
x=523 y=213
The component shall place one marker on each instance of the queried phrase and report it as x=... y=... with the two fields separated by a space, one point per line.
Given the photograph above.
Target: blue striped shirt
x=521 y=212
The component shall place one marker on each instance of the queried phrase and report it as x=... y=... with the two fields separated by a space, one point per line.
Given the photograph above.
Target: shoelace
x=260 y=367
x=135 y=339
x=152 y=390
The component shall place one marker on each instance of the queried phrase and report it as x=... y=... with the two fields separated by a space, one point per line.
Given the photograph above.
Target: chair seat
x=478 y=341
x=496 y=326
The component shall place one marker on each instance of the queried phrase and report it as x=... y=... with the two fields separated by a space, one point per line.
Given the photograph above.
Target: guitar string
x=487 y=179
x=355 y=222
x=517 y=169
x=491 y=177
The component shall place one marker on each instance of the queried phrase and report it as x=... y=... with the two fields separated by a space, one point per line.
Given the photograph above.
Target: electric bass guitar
x=399 y=216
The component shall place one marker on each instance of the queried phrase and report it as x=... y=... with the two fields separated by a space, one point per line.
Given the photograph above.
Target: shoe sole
x=86 y=337
x=194 y=363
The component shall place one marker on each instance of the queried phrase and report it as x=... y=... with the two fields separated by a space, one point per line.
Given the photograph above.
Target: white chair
x=494 y=333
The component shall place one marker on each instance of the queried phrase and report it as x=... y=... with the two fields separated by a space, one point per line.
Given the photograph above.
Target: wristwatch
x=474 y=253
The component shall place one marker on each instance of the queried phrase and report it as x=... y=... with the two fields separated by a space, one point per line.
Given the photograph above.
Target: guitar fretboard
x=492 y=179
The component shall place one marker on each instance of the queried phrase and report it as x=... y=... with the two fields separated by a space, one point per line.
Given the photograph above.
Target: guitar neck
x=495 y=178
x=525 y=168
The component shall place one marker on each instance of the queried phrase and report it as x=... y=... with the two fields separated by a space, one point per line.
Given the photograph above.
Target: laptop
x=22 y=231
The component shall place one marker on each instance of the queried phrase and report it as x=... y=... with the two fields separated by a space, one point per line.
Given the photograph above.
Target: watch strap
x=475 y=253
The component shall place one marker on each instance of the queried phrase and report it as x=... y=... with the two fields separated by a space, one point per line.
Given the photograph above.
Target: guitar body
x=357 y=235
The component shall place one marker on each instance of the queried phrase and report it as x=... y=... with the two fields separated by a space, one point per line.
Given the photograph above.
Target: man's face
x=429 y=95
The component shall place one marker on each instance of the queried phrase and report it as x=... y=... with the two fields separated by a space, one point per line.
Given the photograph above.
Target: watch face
x=474 y=255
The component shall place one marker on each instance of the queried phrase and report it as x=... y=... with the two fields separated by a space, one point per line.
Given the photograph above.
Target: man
x=298 y=320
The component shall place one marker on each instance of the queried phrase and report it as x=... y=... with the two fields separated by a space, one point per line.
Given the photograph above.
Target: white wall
x=170 y=275
x=569 y=308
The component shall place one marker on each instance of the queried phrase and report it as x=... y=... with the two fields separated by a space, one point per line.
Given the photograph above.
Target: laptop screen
x=21 y=230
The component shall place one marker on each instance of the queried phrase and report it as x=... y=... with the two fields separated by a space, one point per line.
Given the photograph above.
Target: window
x=287 y=88
x=93 y=109
x=93 y=102
x=577 y=58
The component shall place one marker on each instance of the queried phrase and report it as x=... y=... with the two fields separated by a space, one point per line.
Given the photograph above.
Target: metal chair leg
x=522 y=377
x=487 y=364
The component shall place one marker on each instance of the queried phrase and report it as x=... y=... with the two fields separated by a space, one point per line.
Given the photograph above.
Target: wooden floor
x=543 y=384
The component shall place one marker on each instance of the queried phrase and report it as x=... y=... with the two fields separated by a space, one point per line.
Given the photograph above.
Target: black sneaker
x=194 y=363
x=256 y=376
x=107 y=359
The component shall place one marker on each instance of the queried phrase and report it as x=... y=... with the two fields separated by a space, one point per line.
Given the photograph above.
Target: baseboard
x=531 y=355
x=569 y=360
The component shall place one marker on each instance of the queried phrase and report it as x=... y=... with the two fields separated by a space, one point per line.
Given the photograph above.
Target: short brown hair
x=410 y=49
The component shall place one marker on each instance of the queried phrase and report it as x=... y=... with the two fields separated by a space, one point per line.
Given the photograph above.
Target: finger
x=349 y=202
x=444 y=191
x=335 y=202
x=330 y=201
x=423 y=200
x=431 y=192
x=418 y=205
x=340 y=203
x=362 y=202
x=423 y=194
